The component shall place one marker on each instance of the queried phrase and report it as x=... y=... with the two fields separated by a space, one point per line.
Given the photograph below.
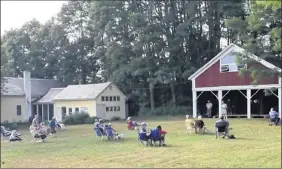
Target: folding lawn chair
x=98 y=133
x=221 y=131
x=110 y=135
x=144 y=138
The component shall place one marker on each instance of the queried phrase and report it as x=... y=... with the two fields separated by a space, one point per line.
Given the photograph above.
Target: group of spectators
x=200 y=127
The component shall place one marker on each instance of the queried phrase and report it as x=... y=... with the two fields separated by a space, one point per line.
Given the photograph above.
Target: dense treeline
x=147 y=48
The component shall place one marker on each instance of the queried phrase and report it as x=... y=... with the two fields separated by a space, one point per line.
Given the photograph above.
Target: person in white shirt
x=224 y=109
x=15 y=136
x=209 y=108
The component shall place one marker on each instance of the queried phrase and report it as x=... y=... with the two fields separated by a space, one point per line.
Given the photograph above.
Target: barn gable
x=222 y=70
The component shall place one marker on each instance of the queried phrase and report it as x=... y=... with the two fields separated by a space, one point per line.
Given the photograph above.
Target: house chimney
x=27 y=91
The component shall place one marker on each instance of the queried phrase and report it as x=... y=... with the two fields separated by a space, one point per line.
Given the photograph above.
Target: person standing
x=53 y=126
x=209 y=108
x=224 y=109
x=229 y=111
x=189 y=125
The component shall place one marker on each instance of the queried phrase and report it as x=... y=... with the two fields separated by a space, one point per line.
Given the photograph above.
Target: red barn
x=221 y=74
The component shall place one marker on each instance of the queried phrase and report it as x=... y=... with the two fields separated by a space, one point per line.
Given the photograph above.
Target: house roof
x=82 y=92
x=48 y=98
x=12 y=90
x=228 y=49
x=39 y=87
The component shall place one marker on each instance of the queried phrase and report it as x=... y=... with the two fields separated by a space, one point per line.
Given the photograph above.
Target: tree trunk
x=152 y=101
x=173 y=95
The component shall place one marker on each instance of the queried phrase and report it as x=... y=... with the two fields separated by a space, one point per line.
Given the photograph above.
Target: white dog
x=61 y=126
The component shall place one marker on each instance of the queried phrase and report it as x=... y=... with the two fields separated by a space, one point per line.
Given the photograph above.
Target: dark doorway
x=236 y=102
x=132 y=107
x=34 y=110
x=202 y=101
x=51 y=111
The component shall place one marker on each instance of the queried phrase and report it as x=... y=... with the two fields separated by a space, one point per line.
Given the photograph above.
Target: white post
x=279 y=101
x=42 y=114
x=249 y=96
x=194 y=104
x=219 y=102
x=37 y=109
x=48 y=110
x=27 y=92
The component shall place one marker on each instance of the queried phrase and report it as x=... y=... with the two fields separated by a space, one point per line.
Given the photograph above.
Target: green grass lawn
x=257 y=145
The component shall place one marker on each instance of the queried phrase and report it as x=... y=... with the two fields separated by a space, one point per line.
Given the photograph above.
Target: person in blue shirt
x=53 y=125
x=274 y=116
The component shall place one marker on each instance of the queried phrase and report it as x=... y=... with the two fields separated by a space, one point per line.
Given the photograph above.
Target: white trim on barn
x=248 y=88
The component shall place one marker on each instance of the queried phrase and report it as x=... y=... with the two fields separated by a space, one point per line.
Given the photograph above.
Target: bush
x=76 y=118
x=10 y=125
x=90 y=120
x=115 y=118
x=166 y=110
x=79 y=118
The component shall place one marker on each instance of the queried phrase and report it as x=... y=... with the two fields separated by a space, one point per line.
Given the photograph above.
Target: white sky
x=15 y=13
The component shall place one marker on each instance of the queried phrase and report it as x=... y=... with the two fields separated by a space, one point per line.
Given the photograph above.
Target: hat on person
x=199 y=117
x=128 y=118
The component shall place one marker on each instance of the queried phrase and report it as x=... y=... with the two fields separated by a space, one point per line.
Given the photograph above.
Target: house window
x=103 y=98
x=118 y=108
x=107 y=108
x=114 y=98
x=76 y=109
x=19 y=110
x=228 y=64
x=111 y=98
x=111 y=108
x=70 y=111
x=115 y=108
x=107 y=99
x=64 y=112
x=118 y=98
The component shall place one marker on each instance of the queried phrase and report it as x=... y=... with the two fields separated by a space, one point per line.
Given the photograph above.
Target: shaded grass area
x=257 y=145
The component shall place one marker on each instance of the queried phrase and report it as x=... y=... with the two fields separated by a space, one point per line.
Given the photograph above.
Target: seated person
x=98 y=125
x=274 y=116
x=5 y=132
x=110 y=129
x=162 y=134
x=143 y=133
x=189 y=124
x=200 y=125
x=15 y=136
x=130 y=125
x=221 y=123
x=135 y=125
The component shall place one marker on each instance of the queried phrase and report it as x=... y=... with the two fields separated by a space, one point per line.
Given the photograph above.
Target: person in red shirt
x=130 y=124
x=162 y=135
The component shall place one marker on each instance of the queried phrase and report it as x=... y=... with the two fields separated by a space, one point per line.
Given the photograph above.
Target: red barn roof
x=223 y=71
